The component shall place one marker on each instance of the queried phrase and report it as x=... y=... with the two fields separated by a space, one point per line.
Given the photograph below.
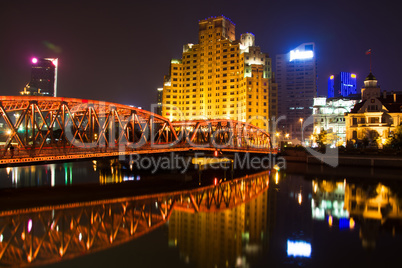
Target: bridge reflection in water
x=49 y=234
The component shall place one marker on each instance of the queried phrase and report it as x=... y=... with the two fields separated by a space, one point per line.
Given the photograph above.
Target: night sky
x=119 y=51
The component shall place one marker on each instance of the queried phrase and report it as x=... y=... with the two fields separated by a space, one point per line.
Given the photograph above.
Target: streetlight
x=301 y=129
x=277 y=139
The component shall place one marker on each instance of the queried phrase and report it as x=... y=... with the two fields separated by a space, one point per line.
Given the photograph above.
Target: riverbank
x=355 y=173
x=378 y=159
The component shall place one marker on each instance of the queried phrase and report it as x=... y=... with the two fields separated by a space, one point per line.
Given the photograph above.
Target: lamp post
x=301 y=129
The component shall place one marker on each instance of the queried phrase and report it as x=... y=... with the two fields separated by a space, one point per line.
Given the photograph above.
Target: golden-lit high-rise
x=221 y=78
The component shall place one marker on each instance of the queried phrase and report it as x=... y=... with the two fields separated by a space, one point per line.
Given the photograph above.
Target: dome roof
x=370 y=77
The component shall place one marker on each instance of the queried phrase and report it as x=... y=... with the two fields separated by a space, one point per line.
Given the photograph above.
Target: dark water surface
x=307 y=217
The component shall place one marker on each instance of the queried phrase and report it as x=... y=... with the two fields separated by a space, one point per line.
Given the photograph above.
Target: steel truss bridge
x=36 y=128
x=43 y=235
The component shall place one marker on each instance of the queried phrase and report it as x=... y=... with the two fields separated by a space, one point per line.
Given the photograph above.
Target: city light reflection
x=97 y=225
x=298 y=249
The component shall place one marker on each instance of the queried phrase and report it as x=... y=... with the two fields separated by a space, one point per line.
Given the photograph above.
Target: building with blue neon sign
x=296 y=75
x=341 y=85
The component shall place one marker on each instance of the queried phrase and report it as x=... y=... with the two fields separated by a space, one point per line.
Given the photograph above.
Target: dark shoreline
x=376 y=160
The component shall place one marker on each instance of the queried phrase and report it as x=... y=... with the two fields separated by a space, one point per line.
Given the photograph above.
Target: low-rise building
x=375 y=118
x=328 y=115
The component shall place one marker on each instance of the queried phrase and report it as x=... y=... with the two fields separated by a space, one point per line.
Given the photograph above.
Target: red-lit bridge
x=35 y=129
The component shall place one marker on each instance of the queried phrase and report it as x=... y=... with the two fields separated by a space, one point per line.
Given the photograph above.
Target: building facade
x=375 y=118
x=341 y=85
x=329 y=115
x=296 y=75
x=220 y=78
x=43 y=78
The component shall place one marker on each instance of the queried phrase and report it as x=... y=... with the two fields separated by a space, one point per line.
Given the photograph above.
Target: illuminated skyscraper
x=341 y=85
x=221 y=78
x=296 y=75
x=43 y=78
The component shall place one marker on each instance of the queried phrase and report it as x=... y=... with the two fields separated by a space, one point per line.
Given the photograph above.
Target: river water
x=302 y=216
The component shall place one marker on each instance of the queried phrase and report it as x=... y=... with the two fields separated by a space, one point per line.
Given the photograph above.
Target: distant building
x=221 y=78
x=375 y=118
x=296 y=75
x=341 y=85
x=328 y=115
x=43 y=78
x=159 y=100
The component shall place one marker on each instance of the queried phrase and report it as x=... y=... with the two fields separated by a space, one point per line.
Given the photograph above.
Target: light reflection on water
x=350 y=222
x=50 y=234
x=64 y=174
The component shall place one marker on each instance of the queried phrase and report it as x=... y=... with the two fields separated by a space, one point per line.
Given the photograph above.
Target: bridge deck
x=23 y=156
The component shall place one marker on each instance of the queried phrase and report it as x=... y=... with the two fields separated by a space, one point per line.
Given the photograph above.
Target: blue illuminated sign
x=301 y=55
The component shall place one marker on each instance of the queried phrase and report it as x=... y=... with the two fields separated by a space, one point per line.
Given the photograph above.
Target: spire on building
x=371 y=88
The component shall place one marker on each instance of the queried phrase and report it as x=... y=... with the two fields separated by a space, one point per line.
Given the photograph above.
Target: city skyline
x=104 y=49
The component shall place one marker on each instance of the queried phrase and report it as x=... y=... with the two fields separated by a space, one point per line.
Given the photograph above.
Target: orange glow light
x=351 y=223
x=330 y=221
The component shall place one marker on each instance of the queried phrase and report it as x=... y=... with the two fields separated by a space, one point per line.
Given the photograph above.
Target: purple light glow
x=29 y=225
x=34 y=60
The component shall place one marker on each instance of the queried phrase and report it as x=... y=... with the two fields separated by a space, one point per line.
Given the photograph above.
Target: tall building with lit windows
x=221 y=77
x=341 y=85
x=43 y=78
x=296 y=75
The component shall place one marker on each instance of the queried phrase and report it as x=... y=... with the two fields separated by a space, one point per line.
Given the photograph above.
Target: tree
x=326 y=138
x=321 y=138
x=396 y=140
